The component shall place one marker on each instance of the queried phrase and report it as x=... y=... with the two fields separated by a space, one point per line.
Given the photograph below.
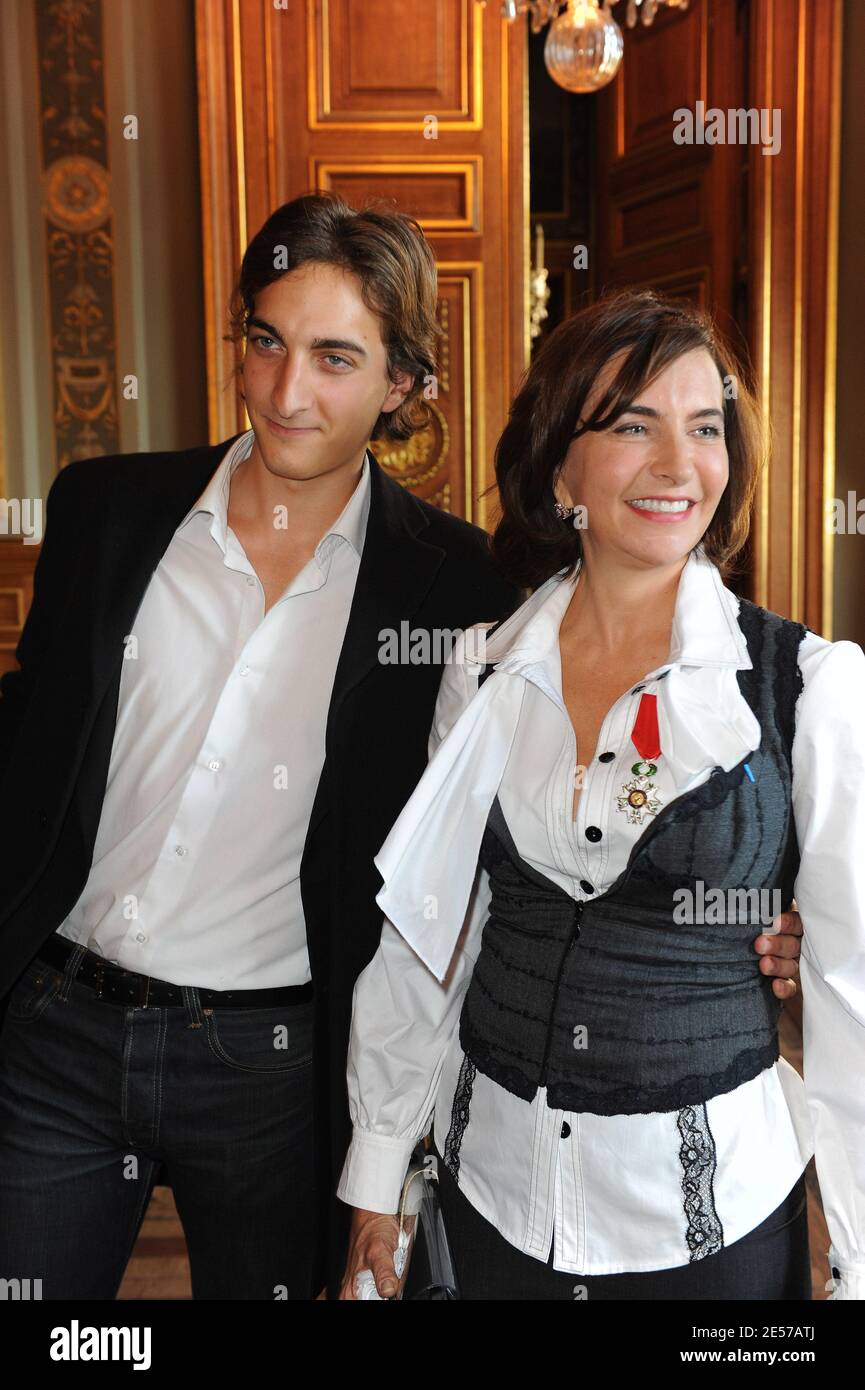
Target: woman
x=638 y=763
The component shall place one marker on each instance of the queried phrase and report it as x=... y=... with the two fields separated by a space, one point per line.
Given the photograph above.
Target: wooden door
x=751 y=237
x=421 y=101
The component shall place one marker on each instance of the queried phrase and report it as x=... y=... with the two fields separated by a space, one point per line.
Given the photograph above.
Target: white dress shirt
x=217 y=753
x=606 y=1191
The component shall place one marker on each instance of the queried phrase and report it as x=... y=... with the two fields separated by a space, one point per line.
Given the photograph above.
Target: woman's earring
x=562 y=512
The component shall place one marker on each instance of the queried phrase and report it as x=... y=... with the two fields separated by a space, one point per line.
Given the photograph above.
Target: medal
x=638 y=798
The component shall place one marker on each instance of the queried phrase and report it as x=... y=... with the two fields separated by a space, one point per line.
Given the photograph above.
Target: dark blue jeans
x=95 y=1095
x=771 y=1262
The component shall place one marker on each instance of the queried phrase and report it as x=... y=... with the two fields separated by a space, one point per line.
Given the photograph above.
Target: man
x=200 y=756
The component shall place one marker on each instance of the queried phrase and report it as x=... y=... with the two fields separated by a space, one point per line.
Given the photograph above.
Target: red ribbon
x=645 y=736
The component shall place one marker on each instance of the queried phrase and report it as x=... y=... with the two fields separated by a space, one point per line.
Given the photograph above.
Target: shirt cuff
x=374 y=1171
x=850 y=1286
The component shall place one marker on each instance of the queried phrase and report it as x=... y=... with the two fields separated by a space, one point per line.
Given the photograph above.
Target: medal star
x=638 y=800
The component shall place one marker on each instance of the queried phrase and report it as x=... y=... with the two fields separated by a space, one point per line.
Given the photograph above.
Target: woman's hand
x=372 y=1242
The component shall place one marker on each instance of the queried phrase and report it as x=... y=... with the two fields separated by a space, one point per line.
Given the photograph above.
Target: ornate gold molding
x=324 y=172
x=79 y=238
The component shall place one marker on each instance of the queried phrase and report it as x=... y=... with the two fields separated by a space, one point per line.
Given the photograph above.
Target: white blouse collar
x=705 y=631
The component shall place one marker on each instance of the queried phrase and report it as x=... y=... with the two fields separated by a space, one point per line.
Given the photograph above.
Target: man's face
x=315 y=372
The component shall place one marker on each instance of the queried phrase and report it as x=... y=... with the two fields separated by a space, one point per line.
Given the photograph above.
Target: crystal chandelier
x=584 y=44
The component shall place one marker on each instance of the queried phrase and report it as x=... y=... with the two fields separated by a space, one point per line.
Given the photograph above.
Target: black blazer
x=108 y=523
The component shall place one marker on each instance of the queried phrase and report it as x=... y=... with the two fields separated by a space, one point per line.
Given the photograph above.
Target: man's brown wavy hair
x=391 y=258
x=530 y=543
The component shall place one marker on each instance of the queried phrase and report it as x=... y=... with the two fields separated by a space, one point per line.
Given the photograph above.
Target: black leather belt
x=121 y=986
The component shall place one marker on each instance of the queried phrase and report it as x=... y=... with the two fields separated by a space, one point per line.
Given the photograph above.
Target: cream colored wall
x=849 y=567
x=149 y=72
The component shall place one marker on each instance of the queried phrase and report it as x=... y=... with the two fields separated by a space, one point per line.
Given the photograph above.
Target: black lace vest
x=614 y=1004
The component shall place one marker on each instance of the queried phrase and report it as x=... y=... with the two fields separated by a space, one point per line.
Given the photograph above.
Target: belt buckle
x=142 y=986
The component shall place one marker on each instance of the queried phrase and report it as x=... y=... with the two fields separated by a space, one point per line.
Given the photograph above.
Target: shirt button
x=593 y=833
x=214 y=764
x=249 y=579
x=566 y=1130
x=244 y=671
x=139 y=936
x=606 y=757
x=180 y=850
x=586 y=886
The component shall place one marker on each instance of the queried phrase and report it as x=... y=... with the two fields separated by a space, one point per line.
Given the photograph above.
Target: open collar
x=705 y=630
x=350 y=525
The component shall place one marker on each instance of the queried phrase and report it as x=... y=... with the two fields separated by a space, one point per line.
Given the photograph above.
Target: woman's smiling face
x=652 y=480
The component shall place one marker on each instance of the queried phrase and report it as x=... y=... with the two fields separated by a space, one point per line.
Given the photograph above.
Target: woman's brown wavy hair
x=530 y=543
x=391 y=258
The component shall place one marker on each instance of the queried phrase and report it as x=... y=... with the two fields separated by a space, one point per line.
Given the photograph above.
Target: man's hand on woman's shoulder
x=779 y=952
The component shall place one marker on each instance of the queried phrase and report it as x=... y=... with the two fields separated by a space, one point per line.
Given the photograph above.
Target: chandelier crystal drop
x=584 y=45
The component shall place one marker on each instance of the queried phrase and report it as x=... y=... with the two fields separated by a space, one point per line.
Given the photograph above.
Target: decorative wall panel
x=79 y=247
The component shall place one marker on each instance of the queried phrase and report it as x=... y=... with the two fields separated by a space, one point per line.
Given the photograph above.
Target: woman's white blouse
x=608 y=1191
